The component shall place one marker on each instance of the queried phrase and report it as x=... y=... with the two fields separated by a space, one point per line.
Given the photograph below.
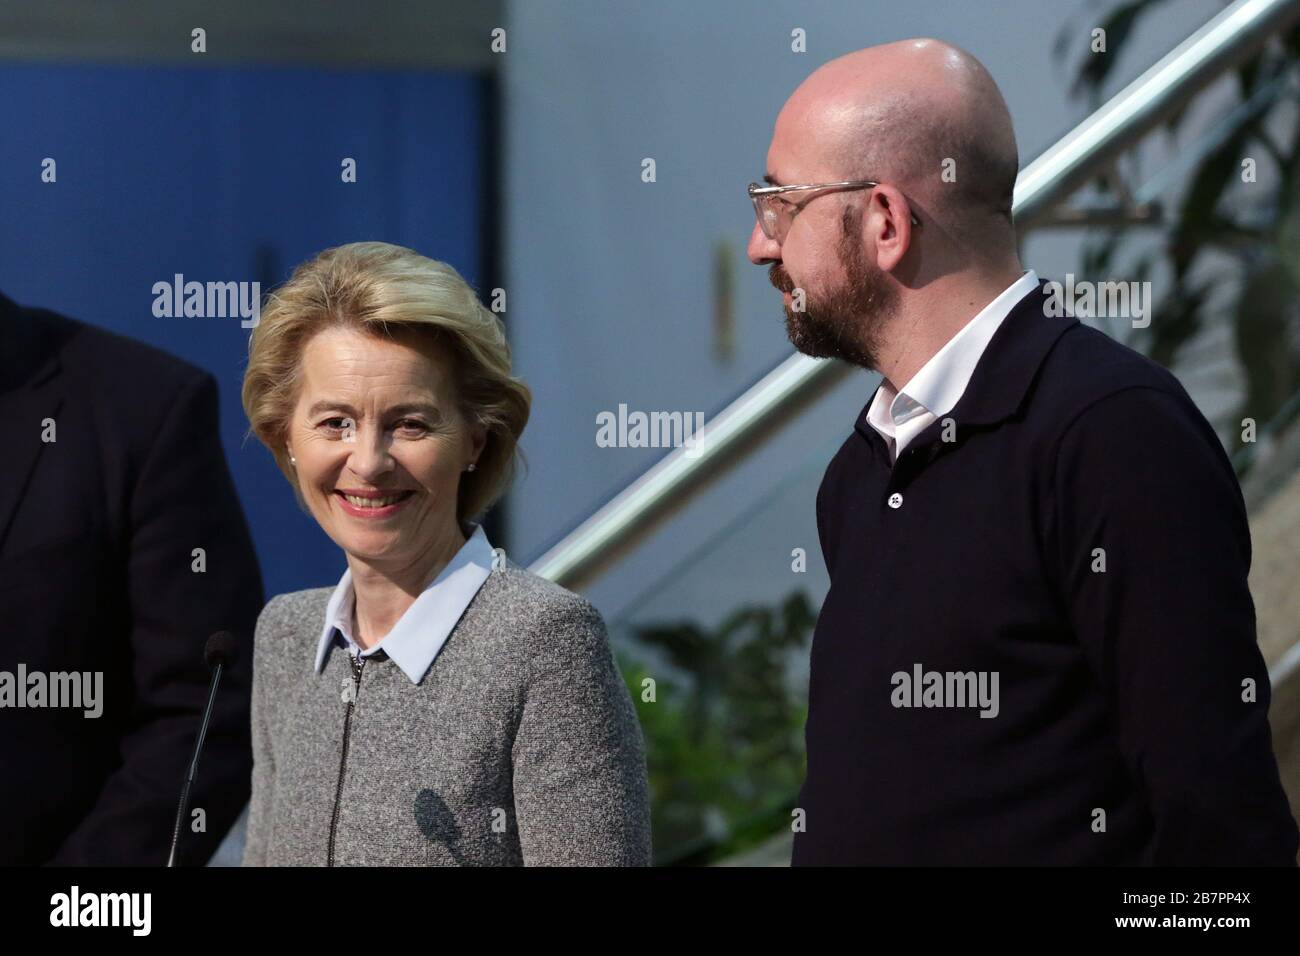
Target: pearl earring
x=472 y=466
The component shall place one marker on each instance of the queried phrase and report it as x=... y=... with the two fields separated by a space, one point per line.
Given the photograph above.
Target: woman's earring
x=472 y=466
x=292 y=460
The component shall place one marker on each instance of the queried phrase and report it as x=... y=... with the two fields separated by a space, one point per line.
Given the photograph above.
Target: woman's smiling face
x=377 y=417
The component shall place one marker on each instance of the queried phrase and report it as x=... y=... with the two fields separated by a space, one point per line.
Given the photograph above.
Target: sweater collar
x=1005 y=370
x=939 y=384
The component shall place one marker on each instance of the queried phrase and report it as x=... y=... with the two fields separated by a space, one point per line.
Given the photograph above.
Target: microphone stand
x=194 y=763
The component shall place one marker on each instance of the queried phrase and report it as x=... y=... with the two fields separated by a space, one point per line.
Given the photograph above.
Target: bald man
x=1038 y=646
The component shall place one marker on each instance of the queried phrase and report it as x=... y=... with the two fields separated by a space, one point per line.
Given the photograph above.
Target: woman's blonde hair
x=382 y=289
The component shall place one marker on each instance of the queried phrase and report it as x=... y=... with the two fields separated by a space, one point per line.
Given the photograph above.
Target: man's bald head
x=896 y=112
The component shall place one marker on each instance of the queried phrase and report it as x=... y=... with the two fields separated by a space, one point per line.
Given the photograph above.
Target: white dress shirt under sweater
x=938 y=385
x=420 y=632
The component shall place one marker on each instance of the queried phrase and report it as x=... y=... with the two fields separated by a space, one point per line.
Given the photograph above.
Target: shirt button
x=895 y=500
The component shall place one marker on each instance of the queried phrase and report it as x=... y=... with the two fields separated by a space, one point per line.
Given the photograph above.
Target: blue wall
x=229 y=174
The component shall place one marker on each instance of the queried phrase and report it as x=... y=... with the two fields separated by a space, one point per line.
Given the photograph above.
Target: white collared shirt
x=940 y=383
x=420 y=632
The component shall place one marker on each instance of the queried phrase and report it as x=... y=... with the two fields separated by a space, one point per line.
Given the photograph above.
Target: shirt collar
x=940 y=383
x=421 y=631
x=1001 y=380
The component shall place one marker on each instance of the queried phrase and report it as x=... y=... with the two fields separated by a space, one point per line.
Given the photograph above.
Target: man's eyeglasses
x=775 y=212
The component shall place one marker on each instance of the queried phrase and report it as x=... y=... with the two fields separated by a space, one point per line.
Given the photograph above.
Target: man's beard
x=847 y=324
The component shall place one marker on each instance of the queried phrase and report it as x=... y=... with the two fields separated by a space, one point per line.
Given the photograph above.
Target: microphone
x=218 y=653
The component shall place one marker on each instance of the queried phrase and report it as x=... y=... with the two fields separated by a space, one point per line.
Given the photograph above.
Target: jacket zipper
x=358 y=663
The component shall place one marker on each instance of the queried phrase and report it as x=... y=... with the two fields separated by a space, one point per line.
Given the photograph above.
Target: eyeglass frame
x=758 y=191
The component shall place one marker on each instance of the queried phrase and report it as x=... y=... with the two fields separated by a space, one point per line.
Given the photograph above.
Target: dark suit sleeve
x=183 y=499
x=1169 y=625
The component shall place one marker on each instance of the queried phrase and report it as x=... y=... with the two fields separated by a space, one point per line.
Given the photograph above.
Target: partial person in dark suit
x=113 y=476
x=1039 y=645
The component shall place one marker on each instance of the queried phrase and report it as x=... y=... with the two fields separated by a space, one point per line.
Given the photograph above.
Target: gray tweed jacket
x=519 y=746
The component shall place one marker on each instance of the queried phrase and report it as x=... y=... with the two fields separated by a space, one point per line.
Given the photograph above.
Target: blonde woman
x=437 y=706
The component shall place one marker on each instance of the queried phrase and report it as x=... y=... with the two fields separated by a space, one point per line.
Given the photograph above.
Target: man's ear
x=887 y=222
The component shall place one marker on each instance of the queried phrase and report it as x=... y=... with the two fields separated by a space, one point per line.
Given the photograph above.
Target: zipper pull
x=351 y=687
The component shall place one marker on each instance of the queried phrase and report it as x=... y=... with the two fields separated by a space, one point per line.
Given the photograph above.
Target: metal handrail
x=1157 y=94
x=1227 y=39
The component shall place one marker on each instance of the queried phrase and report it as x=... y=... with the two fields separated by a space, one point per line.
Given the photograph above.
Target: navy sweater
x=1081 y=546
